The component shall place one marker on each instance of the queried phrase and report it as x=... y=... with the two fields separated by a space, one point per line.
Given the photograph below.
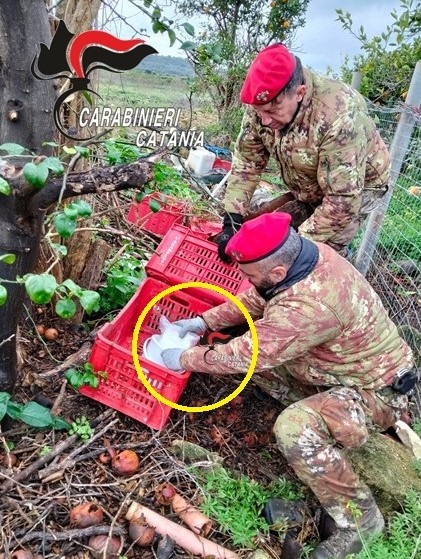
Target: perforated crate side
x=158 y=222
x=183 y=257
x=121 y=389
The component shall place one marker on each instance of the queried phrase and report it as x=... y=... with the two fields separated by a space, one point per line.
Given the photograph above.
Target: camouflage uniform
x=330 y=157
x=329 y=340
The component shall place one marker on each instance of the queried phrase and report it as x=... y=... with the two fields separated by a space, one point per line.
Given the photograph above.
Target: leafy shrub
x=123 y=279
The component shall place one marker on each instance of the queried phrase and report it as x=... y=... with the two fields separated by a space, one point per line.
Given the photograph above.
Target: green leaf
x=52 y=144
x=74 y=378
x=147 y=3
x=8 y=258
x=60 y=249
x=13 y=409
x=83 y=208
x=5 y=187
x=66 y=308
x=154 y=205
x=36 y=175
x=188 y=28
x=89 y=300
x=70 y=211
x=35 y=415
x=40 y=288
x=84 y=152
x=55 y=165
x=72 y=287
x=172 y=36
x=4 y=398
x=70 y=151
x=188 y=45
x=156 y=14
x=90 y=379
x=60 y=423
x=65 y=225
x=12 y=149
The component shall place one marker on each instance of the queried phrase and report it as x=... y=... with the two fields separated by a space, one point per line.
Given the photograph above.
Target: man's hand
x=171 y=358
x=195 y=325
x=231 y=224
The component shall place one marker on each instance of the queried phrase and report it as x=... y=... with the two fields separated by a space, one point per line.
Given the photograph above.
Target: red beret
x=260 y=237
x=269 y=73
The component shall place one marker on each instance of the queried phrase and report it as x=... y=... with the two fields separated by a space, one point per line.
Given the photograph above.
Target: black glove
x=231 y=224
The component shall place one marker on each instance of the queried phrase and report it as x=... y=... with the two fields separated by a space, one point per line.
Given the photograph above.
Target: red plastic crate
x=182 y=257
x=159 y=222
x=204 y=229
x=222 y=164
x=122 y=389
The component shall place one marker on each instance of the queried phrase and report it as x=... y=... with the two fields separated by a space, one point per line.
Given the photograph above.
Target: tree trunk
x=23 y=25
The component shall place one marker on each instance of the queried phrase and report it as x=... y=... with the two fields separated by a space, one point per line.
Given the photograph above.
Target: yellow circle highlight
x=255 y=346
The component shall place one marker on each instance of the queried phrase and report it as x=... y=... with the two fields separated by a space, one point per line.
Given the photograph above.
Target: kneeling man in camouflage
x=327 y=348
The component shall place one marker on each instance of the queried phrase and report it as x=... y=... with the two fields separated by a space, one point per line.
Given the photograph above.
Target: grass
x=236 y=502
x=403 y=537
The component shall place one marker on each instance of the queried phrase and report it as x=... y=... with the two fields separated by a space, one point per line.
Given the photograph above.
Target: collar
x=302 y=267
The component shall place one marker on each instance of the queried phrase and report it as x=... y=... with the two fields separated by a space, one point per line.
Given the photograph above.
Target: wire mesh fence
x=391 y=258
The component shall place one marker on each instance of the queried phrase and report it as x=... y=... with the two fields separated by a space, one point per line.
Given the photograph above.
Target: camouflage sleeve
x=341 y=172
x=229 y=314
x=284 y=333
x=249 y=161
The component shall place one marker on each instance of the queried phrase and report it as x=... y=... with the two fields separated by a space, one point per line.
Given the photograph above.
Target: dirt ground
x=34 y=513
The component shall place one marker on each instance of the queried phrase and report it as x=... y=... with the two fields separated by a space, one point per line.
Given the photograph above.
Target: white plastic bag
x=167 y=339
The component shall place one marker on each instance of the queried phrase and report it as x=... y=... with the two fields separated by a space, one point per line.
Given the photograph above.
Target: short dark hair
x=296 y=80
x=286 y=255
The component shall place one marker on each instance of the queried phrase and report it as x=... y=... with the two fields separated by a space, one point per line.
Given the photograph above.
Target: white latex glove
x=171 y=358
x=194 y=325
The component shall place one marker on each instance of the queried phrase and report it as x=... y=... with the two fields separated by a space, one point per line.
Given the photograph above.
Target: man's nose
x=266 y=120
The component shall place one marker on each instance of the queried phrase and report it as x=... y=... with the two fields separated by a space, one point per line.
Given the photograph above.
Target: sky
x=321 y=43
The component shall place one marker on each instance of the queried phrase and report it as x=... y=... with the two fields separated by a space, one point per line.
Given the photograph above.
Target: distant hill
x=167 y=65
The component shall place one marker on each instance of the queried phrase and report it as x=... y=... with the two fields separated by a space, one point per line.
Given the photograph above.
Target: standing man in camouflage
x=327 y=149
x=327 y=349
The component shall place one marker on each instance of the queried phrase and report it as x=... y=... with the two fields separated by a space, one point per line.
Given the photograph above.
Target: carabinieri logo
x=76 y=56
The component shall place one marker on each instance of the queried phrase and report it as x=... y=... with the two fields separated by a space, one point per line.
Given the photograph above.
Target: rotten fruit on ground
x=40 y=328
x=141 y=533
x=103 y=547
x=164 y=493
x=22 y=554
x=86 y=514
x=125 y=463
x=220 y=435
x=51 y=334
x=8 y=460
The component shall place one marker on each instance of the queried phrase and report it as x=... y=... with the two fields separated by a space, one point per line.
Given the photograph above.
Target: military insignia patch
x=262 y=96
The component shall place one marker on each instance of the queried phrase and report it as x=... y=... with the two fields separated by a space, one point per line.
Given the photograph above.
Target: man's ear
x=301 y=92
x=277 y=273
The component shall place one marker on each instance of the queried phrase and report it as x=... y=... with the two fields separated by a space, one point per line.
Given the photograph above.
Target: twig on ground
x=77 y=358
x=55 y=451
x=69 y=461
x=68 y=535
x=60 y=396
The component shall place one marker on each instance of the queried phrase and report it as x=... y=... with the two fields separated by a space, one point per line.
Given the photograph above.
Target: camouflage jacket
x=330 y=153
x=329 y=328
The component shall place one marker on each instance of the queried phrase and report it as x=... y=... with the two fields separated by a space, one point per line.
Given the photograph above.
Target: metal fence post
x=398 y=151
x=356 y=80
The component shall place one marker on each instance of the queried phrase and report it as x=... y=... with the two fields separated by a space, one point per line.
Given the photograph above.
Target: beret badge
x=262 y=96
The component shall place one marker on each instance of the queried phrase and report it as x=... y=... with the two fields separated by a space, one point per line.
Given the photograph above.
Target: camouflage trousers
x=312 y=432
x=301 y=211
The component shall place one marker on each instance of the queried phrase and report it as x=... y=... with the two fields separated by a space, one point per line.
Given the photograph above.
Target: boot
x=346 y=540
